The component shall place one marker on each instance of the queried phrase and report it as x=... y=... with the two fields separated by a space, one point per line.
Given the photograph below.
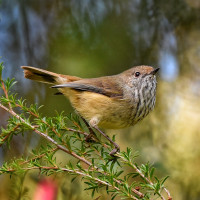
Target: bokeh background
x=91 y=38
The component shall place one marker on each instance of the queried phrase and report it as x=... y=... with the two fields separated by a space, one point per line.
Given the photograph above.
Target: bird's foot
x=115 y=150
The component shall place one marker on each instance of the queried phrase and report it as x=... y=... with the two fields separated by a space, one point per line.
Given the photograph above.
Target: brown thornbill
x=110 y=102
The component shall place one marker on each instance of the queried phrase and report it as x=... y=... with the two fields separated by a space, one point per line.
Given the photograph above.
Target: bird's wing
x=107 y=86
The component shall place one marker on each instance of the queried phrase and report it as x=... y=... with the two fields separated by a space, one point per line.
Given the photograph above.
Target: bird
x=107 y=102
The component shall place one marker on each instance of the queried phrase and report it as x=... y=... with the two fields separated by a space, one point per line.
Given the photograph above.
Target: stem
x=8 y=134
x=168 y=193
x=36 y=157
x=143 y=176
x=6 y=93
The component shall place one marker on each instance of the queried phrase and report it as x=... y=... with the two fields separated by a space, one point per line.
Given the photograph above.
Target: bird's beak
x=154 y=71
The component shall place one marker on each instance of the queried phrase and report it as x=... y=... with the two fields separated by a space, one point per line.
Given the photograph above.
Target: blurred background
x=91 y=38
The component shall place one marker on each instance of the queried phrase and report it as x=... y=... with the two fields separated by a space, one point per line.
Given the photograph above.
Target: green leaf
x=117 y=174
x=152 y=172
x=114 y=197
x=73 y=179
x=1 y=69
x=149 y=186
x=163 y=181
x=113 y=138
x=112 y=166
x=126 y=186
x=9 y=83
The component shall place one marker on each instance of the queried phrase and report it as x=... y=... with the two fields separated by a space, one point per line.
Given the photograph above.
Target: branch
x=8 y=134
x=46 y=136
x=145 y=178
x=76 y=171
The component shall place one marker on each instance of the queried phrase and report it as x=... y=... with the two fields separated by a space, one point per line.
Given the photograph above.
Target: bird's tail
x=45 y=76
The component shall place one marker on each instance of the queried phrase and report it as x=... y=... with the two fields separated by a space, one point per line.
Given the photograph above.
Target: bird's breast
x=145 y=98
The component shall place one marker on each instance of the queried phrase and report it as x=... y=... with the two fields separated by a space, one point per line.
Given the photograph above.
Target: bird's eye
x=137 y=74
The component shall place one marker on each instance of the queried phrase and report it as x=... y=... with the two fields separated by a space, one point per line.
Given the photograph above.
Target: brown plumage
x=112 y=102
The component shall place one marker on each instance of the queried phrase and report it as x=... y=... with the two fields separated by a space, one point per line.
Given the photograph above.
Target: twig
x=168 y=194
x=76 y=172
x=143 y=176
x=68 y=129
x=6 y=93
x=8 y=134
x=46 y=136
x=39 y=156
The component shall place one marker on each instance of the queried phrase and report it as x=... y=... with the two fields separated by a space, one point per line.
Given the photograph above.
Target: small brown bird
x=110 y=102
